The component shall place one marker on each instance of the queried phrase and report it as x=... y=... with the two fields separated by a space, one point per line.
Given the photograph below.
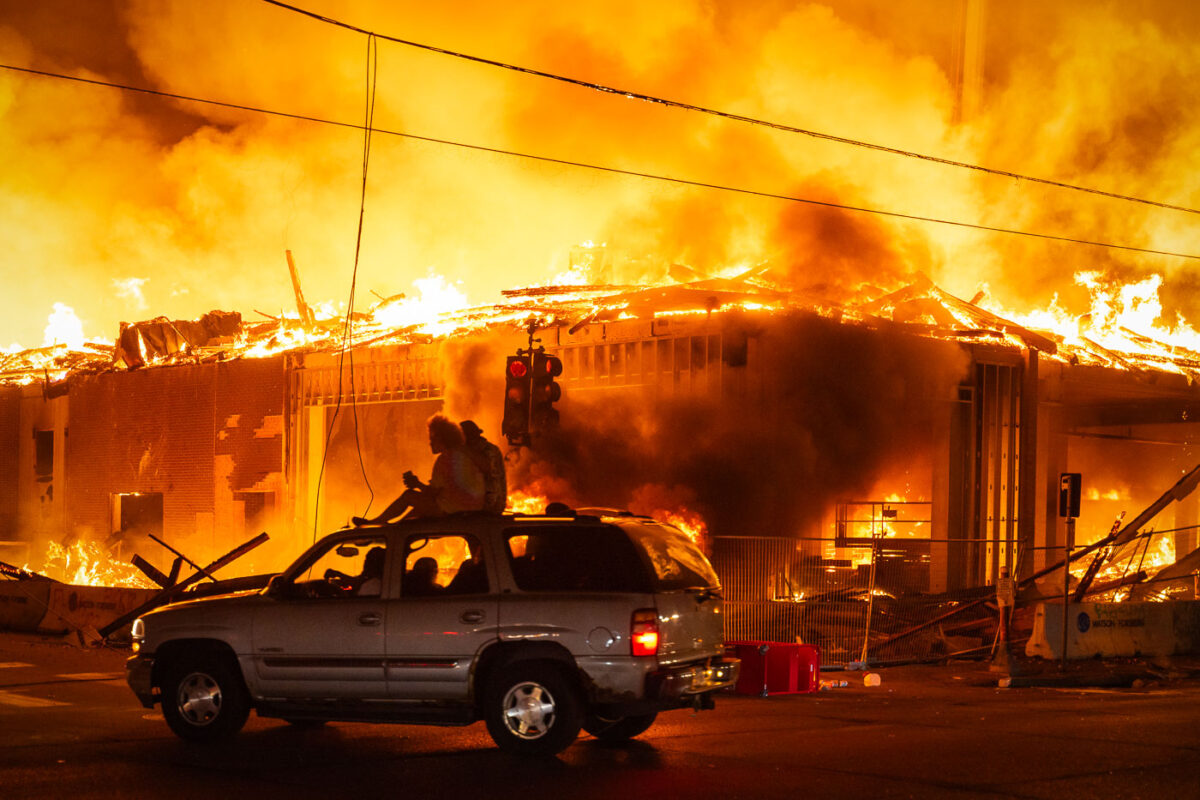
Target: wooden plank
x=927 y=623
x=20 y=574
x=150 y=571
x=171 y=593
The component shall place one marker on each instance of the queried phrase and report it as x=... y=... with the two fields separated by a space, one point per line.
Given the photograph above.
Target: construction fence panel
x=876 y=605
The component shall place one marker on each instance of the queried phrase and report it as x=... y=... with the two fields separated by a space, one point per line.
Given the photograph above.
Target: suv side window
x=596 y=558
x=436 y=566
x=346 y=569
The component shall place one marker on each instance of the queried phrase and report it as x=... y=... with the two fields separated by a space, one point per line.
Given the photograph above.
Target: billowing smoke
x=198 y=203
x=819 y=413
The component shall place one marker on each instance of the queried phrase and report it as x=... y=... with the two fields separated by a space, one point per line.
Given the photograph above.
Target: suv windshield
x=677 y=562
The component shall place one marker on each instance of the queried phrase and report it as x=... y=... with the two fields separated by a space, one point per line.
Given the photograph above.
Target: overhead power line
x=602 y=168
x=345 y=351
x=599 y=87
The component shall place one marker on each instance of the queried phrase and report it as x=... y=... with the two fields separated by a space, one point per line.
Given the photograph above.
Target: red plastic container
x=776 y=667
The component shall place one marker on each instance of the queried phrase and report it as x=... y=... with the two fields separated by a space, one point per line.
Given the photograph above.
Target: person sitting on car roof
x=490 y=461
x=455 y=485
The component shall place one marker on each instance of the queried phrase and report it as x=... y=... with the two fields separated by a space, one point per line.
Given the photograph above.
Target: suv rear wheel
x=532 y=708
x=203 y=698
x=618 y=729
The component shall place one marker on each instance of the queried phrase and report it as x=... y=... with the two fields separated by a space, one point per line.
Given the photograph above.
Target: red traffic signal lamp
x=518 y=377
x=545 y=391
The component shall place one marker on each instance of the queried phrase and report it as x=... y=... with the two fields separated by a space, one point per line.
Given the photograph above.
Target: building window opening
x=258 y=509
x=43 y=464
x=137 y=515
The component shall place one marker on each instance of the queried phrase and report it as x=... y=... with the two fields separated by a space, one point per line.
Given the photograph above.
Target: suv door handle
x=371 y=618
x=474 y=615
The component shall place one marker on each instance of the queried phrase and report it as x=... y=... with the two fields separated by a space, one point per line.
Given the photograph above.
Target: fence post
x=876 y=538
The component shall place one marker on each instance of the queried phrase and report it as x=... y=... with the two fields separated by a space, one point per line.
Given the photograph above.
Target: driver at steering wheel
x=368 y=583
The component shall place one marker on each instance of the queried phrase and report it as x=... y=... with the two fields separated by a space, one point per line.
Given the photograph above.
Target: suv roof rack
x=610 y=512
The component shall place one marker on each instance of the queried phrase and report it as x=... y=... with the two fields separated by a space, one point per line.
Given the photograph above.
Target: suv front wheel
x=532 y=708
x=203 y=698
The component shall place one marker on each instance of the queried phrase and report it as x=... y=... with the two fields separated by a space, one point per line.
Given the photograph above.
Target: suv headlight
x=138 y=634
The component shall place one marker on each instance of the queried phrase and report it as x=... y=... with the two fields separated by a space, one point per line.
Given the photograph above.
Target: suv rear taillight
x=643 y=632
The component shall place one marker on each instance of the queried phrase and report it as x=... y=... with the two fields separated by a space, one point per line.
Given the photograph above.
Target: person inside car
x=471 y=577
x=421 y=580
x=370 y=582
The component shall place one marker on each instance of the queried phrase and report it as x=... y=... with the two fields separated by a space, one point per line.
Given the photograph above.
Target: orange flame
x=521 y=503
x=88 y=564
x=1123 y=320
x=688 y=521
x=1160 y=553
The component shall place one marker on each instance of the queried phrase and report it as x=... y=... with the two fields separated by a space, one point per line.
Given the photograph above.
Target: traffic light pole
x=531 y=327
x=1070 y=491
x=1070 y=545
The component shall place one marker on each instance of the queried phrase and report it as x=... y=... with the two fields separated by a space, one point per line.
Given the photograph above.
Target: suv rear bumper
x=677 y=683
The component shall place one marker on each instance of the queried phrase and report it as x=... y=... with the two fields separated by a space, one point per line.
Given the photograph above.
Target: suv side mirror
x=279 y=586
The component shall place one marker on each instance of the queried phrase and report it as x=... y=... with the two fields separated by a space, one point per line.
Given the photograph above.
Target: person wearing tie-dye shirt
x=456 y=484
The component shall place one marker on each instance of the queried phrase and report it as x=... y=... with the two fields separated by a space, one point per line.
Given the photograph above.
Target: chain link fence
x=874 y=600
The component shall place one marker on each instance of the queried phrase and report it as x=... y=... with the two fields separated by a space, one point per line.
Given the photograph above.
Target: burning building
x=906 y=444
x=837 y=425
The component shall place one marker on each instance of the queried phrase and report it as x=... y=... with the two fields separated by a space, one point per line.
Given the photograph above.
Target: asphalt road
x=69 y=727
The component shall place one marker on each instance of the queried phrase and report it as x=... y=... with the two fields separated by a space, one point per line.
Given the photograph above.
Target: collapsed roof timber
x=921 y=308
x=772 y=413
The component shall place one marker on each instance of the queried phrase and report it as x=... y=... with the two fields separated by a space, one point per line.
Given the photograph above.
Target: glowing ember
x=285 y=339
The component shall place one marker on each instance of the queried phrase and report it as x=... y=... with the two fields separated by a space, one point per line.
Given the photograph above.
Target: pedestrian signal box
x=1070 y=489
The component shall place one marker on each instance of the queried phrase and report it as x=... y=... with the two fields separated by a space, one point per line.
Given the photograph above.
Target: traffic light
x=517 y=379
x=545 y=391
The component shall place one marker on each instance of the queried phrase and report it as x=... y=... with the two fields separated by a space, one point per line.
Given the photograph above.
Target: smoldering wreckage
x=863 y=470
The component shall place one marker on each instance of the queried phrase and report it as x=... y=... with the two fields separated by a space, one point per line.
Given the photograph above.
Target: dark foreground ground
x=69 y=727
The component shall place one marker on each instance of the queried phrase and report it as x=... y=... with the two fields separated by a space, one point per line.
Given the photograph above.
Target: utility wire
x=616 y=170
x=347 y=328
x=599 y=87
x=371 y=90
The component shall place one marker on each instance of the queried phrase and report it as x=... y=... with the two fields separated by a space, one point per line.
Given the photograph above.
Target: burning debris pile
x=81 y=587
x=87 y=563
x=1120 y=566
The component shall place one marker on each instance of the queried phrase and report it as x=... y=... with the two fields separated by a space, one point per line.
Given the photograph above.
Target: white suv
x=539 y=625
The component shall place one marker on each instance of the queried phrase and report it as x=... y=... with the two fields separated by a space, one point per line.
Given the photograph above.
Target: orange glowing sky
x=125 y=207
